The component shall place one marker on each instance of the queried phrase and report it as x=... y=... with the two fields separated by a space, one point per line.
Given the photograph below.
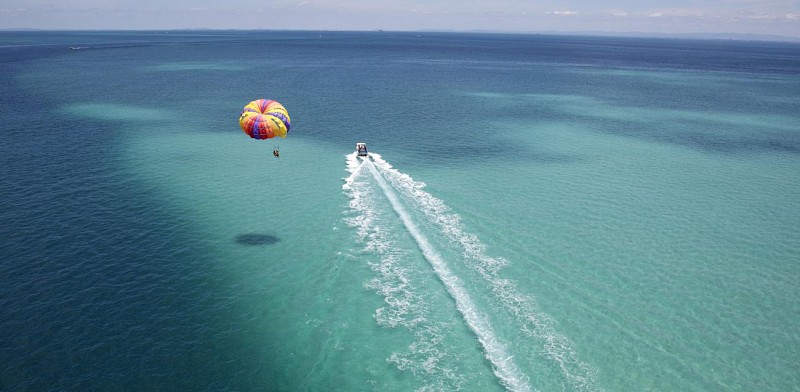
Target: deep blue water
x=642 y=194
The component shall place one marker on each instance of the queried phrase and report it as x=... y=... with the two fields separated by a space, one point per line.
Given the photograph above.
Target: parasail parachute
x=264 y=119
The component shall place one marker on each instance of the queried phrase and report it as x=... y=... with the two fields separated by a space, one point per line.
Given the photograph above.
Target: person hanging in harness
x=276 y=152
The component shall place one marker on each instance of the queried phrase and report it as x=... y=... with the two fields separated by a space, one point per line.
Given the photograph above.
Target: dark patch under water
x=256 y=239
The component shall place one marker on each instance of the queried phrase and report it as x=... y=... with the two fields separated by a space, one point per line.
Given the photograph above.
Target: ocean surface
x=539 y=213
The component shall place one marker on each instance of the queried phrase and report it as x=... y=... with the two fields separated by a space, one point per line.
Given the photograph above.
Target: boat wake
x=544 y=347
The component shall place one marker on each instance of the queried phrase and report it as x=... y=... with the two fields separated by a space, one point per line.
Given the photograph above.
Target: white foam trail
x=502 y=363
x=354 y=167
x=534 y=323
x=429 y=358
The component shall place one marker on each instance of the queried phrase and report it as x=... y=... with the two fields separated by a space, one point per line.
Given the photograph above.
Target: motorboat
x=361 y=148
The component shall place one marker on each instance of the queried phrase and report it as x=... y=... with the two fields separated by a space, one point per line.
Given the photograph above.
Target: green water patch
x=197 y=66
x=646 y=254
x=587 y=106
x=678 y=78
x=275 y=226
x=705 y=129
x=118 y=113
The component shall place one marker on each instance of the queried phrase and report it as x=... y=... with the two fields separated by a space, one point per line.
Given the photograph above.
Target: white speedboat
x=362 y=149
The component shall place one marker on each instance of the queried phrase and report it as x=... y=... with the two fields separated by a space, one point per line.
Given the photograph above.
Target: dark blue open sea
x=539 y=213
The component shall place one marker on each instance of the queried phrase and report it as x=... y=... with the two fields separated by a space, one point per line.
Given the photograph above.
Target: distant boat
x=362 y=149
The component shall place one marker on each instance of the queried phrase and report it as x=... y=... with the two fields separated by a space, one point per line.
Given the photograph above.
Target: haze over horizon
x=748 y=17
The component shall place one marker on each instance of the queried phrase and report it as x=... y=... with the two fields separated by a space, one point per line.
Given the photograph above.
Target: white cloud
x=678 y=12
x=563 y=13
x=793 y=16
x=618 y=13
x=763 y=17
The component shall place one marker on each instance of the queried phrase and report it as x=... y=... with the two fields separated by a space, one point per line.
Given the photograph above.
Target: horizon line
x=630 y=34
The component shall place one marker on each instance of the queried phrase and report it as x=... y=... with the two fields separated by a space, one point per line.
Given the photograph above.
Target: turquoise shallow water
x=540 y=213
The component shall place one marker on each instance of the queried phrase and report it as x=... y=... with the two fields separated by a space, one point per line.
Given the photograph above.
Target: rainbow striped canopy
x=264 y=119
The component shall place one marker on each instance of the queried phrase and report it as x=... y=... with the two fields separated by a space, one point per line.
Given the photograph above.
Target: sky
x=773 y=17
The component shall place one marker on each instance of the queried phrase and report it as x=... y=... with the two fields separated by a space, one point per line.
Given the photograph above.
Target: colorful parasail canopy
x=264 y=119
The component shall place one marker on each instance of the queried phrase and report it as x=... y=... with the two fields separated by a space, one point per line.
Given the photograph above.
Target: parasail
x=264 y=119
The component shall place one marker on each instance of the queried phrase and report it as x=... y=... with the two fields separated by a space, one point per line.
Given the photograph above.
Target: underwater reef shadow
x=256 y=239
